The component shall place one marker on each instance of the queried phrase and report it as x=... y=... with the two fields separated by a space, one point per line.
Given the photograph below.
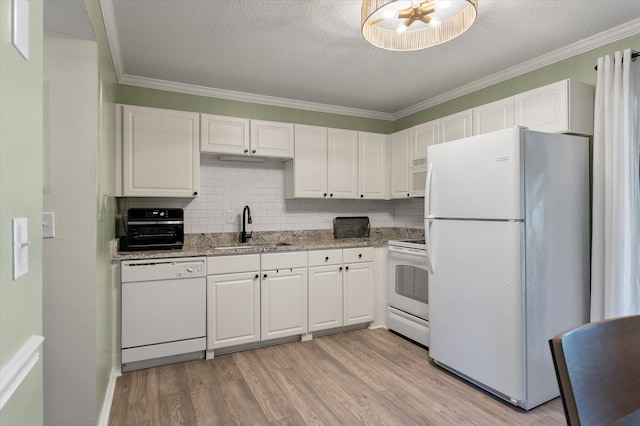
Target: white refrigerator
x=507 y=233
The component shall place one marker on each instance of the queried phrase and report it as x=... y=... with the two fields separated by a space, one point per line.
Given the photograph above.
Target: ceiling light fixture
x=413 y=25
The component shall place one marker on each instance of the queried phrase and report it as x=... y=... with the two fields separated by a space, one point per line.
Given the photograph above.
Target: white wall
x=69 y=259
x=227 y=185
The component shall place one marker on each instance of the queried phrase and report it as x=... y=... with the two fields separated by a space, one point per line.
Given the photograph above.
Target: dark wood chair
x=598 y=370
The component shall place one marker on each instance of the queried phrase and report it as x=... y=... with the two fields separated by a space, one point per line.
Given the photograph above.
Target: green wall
x=105 y=203
x=132 y=95
x=579 y=67
x=21 y=196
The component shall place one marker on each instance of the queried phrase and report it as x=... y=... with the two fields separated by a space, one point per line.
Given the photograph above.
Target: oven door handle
x=428 y=219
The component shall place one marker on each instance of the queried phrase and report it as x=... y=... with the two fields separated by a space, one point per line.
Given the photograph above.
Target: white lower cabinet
x=283 y=294
x=340 y=292
x=233 y=300
x=358 y=285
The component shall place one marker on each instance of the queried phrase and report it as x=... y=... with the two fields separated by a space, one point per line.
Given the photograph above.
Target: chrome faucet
x=244 y=235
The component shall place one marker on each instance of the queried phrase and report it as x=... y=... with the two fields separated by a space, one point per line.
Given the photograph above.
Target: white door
x=372 y=166
x=160 y=152
x=400 y=154
x=475 y=302
x=310 y=162
x=325 y=297
x=456 y=126
x=343 y=164
x=476 y=178
x=233 y=309
x=358 y=293
x=271 y=139
x=284 y=303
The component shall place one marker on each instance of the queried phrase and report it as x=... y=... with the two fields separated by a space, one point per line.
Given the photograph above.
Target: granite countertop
x=266 y=242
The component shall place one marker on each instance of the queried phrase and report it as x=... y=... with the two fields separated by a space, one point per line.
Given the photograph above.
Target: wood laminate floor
x=359 y=377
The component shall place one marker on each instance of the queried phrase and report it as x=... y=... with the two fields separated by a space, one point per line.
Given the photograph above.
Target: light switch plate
x=48 y=225
x=20 y=247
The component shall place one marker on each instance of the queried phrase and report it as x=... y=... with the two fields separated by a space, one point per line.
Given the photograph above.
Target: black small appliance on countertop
x=153 y=229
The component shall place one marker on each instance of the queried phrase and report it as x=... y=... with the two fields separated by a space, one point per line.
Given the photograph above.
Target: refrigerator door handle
x=427 y=242
x=427 y=220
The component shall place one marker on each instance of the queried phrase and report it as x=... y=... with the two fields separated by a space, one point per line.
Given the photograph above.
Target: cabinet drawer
x=325 y=257
x=294 y=259
x=358 y=254
x=233 y=264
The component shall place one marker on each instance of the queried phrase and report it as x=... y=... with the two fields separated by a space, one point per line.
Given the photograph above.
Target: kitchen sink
x=253 y=246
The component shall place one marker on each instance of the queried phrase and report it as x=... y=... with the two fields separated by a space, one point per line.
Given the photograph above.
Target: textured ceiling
x=313 y=51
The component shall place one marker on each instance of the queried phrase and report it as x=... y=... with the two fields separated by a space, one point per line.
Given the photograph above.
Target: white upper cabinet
x=456 y=126
x=400 y=158
x=372 y=166
x=494 y=116
x=224 y=135
x=157 y=152
x=562 y=107
x=240 y=136
x=271 y=139
x=306 y=176
x=424 y=135
x=342 y=163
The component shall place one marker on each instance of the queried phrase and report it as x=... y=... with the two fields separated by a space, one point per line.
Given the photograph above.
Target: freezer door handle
x=427 y=191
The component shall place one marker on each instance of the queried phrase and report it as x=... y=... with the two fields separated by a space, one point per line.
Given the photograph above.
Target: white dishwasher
x=164 y=308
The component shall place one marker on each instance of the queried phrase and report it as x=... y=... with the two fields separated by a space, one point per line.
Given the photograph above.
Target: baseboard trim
x=108 y=397
x=18 y=367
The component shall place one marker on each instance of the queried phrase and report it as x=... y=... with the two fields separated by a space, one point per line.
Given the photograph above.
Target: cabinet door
x=160 y=152
x=233 y=309
x=224 y=135
x=400 y=159
x=310 y=162
x=456 y=126
x=424 y=135
x=325 y=297
x=343 y=163
x=284 y=303
x=358 y=293
x=372 y=166
x=544 y=109
x=418 y=180
x=271 y=139
x=498 y=115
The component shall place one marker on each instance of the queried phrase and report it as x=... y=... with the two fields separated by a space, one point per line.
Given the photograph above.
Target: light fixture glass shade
x=413 y=25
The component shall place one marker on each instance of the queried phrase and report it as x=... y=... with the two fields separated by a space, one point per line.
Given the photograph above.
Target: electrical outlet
x=231 y=216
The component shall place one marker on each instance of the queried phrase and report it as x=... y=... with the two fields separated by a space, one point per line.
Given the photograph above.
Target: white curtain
x=615 y=252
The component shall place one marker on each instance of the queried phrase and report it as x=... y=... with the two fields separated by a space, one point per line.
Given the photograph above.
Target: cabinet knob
x=246 y=151
x=361 y=195
x=253 y=151
x=340 y=268
x=360 y=255
x=326 y=259
x=408 y=195
x=195 y=193
x=257 y=276
x=325 y=194
x=264 y=276
x=330 y=195
x=346 y=267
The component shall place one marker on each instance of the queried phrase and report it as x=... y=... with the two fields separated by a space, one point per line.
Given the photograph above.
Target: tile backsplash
x=229 y=186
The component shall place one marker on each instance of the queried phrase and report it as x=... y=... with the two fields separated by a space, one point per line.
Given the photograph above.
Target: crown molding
x=109 y=18
x=231 y=95
x=614 y=34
